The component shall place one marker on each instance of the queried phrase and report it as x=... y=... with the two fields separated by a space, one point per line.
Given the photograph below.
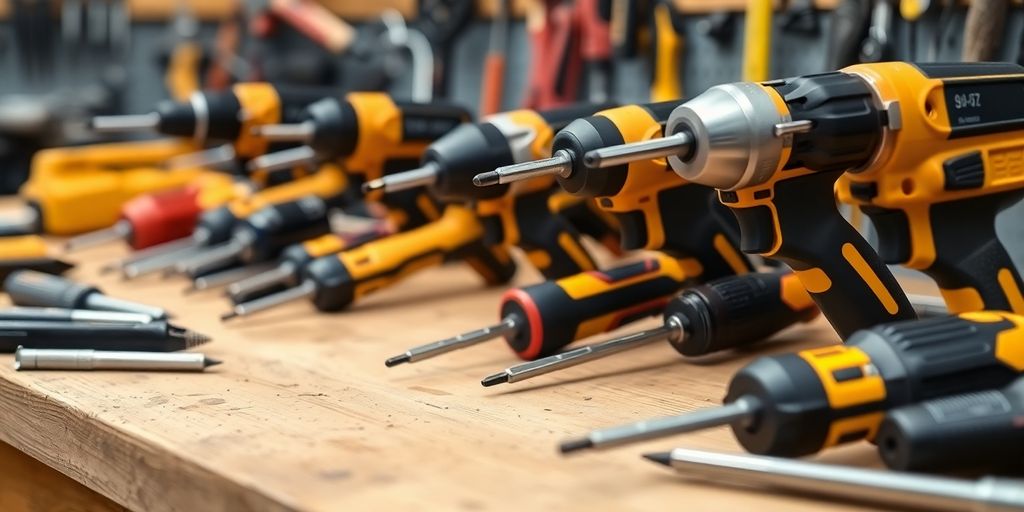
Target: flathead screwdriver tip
x=228 y=316
x=397 y=360
x=493 y=380
x=575 y=445
x=663 y=458
x=209 y=361
x=486 y=179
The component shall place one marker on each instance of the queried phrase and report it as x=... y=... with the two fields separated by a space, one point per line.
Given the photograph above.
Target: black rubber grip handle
x=554 y=314
x=275 y=227
x=40 y=334
x=739 y=310
x=551 y=244
x=982 y=431
x=805 y=230
x=31 y=288
x=972 y=267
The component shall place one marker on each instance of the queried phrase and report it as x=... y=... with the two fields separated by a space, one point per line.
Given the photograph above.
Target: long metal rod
x=577 y=356
x=559 y=164
x=130 y=123
x=903 y=490
x=284 y=159
x=306 y=289
x=740 y=410
x=299 y=132
x=468 y=339
x=677 y=144
x=420 y=177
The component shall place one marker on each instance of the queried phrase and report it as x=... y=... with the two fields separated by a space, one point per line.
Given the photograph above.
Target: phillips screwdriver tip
x=372 y=185
x=663 y=458
x=575 y=445
x=397 y=360
x=486 y=179
x=492 y=380
x=209 y=361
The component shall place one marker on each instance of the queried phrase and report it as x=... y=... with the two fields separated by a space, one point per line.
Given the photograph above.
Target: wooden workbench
x=303 y=415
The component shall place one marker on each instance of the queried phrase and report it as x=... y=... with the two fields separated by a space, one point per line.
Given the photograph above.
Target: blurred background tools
x=900 y=490
x=28 y=252
x=28 y=359
x=155 y=336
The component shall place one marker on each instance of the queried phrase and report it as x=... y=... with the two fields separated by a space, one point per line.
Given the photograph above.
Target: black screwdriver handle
x=152 y=336
x=31 y=288
x=982 y=431
x=739 y=310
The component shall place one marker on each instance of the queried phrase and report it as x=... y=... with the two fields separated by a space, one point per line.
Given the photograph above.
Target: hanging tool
x=984 y=30
x=541 y=319
x=227 y=116
x=215 y=226
x=757 y=40
x=642 y=196
x=77 y=189
x=726 y=313
x=878 y=46
x=493 y=83
x=30 y=288
x=26 y=359
x=594 y=18
x=335 y=282
x=34 y=314
x=520 y=217
x=555 y=60
x=155 y=336
x=626 y=26
x=851 y=22
x=260 y=237
x=441 y=21
x=800 y=17
x=798 y=404
x=981 y=431
x=293 y=261
x=315 y=21
x=28 y=252
x=892 y=490
x=153 y=219
x=366 y=131
x=668 y=46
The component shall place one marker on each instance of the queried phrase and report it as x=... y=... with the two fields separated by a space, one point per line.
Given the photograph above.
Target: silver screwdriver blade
x=155 y=263
x=299 y=132
x=419 y=177
x=742 y=409
x=895 y=489
x=212 y=259
x=121 y=230
x=131 y=123
x=673 y=145
x=227 y=276
x=214 y=158
x=261 y=281
x=577 y=356
x=306 y=289
x=284 y=159
x=468 y=339
x=559 y=164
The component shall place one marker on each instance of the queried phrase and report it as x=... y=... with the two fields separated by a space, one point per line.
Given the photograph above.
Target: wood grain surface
x=303 y=415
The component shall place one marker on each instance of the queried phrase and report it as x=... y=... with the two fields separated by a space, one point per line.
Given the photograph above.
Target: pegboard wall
x=705 y=62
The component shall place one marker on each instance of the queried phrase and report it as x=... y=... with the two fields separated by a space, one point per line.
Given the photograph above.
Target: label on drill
x=981 y=107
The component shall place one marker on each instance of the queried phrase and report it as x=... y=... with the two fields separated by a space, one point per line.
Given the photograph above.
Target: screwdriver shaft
x=904 y=490
x=262 y=281
x=214 y=258
x=677 y=144
x=421 y=177
x=121 y=230
x=304 y=290
x=741 y=410
x=212 y=158
x=102 y=302
x=61 y=359
x=130 y=123
x=284 y=159
x=299 y=132
x=227 y=276
x=580 y=355
x=559 y=164
x=468 y=339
